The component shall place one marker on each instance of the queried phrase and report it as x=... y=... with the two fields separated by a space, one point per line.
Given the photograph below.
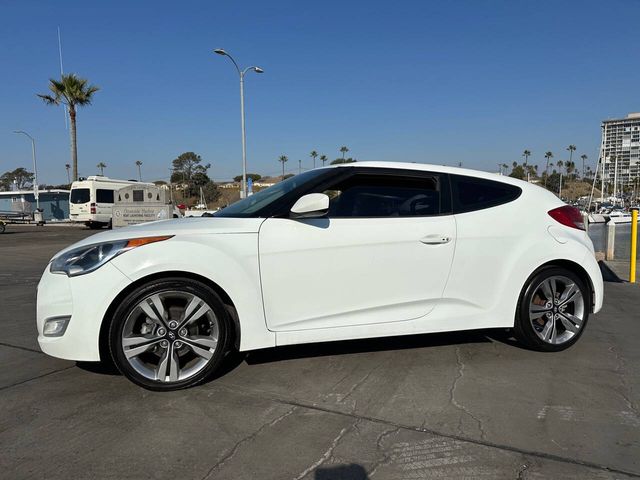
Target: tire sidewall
x=158 y=286
x=524 y=329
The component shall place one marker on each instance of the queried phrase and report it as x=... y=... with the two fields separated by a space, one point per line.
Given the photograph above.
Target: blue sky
x=439 y=82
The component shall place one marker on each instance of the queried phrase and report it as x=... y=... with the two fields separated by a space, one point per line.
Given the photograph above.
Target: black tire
x=523 y=327
x=94 y=225
x=184 y=285
x=2 y=227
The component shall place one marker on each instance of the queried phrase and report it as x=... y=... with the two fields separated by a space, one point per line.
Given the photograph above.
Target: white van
x=91 y=199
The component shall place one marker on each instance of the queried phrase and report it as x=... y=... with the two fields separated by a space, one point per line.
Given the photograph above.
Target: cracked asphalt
x=462 y=405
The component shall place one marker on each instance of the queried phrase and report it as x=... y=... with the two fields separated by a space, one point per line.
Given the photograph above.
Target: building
x=621 y=147
x=54 y=203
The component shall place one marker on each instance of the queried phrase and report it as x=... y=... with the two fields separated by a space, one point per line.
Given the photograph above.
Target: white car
x=353 y=251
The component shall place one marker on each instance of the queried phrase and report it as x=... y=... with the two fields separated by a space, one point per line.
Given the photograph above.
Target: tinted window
x=104 y=196
x=138 y=195
x=471 y=193
x=79 y=195
x=370 y=195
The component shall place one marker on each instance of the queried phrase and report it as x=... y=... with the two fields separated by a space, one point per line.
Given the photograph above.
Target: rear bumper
x=590 y=264
x=85 y=299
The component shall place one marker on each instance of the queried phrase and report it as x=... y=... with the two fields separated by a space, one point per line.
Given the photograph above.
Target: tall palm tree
x=68 y=167
x=571 y=149
x=526 y=154
x=282 y=159
x=73 y=92
x=313 y=154
x=583 y=157
x=324 y=159
x=139 y=164
x=560 y=164
x=548 y=156
x=343 y=150
x=101 y=166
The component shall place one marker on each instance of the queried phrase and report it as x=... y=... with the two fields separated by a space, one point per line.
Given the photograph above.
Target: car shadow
x=352 y=471
x=347 y=347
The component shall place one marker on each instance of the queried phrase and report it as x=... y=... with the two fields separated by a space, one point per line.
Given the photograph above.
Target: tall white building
x=621 y=146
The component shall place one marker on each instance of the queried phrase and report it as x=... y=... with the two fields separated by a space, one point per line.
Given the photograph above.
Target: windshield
x=250 y=206
x=79 y=195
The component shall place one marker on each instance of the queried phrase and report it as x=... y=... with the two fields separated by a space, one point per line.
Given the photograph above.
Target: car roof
x=439 y=169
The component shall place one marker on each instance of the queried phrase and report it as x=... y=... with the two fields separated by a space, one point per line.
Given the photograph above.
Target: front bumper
x=85 y=299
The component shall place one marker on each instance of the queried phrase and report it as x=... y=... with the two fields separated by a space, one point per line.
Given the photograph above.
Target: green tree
x=518 y=171
x=548 y=156
x=188 y=170
x=313 y=155
x=323 y=158
x=283 y=159
x=583 y=157
x=526 y=154
x=73 y=92
x=571 y=149
x=20 y=177
x=343 y=150
x=253 y=176
x=101 y=166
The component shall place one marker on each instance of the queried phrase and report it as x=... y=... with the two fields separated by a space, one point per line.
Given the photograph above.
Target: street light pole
x=241 y=73
x=35 y=167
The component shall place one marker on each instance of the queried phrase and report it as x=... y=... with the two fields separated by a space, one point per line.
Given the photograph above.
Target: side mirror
x=312 y=205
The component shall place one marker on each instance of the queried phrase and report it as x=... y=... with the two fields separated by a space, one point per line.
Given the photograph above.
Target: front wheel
x=169 y=334
x=553 y=310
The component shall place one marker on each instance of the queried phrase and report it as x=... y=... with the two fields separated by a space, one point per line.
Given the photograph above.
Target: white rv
x=91 y=200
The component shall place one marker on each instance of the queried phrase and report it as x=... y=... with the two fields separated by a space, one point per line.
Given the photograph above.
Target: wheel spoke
x=569 y=293
x=547 y=290
x=161 y=371
x=548 y=330
x=174 y=368
x=201 y=352
x=206 y=342
x=137 y=340
x=154 y=309
x=135 y=351
x=576 y=320
x=568 y=324
x=195 y=309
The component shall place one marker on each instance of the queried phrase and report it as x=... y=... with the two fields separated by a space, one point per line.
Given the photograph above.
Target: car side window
x=470 y=193
x=371 y=195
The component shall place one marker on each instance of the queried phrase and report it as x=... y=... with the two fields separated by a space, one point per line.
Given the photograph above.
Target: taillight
x=93 y=208
x=569 y=216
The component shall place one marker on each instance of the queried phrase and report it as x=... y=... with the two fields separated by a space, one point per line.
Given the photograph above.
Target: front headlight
x=88 y=258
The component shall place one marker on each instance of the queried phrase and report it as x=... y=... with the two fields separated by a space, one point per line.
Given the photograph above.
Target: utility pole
x=300 y=166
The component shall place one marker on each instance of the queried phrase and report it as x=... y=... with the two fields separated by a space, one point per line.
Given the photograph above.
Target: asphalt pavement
x=461 y=405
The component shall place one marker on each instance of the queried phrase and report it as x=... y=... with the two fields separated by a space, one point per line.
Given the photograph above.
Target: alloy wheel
x=557 y=310
x=170 y=336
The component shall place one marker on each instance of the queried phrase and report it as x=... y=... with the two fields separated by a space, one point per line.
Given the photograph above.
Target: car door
x=382 y=254
x=104 y=203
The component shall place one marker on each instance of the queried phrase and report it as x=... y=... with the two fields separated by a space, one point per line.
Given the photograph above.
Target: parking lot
x=463 y=405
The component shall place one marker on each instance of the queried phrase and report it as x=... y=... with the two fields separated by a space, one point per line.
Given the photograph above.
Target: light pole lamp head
x=219 y=51
x=258 y=70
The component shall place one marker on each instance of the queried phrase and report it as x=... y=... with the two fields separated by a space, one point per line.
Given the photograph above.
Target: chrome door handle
x=435 y=239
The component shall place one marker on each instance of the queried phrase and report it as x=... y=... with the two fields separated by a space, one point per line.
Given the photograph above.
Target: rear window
x=104 y=196
x=470 y=193
x=79 y=195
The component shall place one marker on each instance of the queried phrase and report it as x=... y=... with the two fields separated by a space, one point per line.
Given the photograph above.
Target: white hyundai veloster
x=353 y=251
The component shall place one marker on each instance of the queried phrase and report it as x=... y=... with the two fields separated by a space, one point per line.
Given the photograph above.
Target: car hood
x=178 y=226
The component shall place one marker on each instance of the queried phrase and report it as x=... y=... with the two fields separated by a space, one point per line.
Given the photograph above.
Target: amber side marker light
x=138 y=242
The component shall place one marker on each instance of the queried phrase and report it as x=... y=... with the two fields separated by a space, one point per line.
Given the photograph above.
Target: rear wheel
x=169 y=334
x=553 y=310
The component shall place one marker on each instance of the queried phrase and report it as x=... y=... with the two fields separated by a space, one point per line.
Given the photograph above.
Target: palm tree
x=73 y=92
x=68 y=167
x=571 y=149
x=324 y=159
x=343 y=150
x=583 y=157
x=313 y=154
x=526 y=154
x=548 y=156
x=282 y=159
x=139 y=164
x=560 y=164
x=101 y=166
